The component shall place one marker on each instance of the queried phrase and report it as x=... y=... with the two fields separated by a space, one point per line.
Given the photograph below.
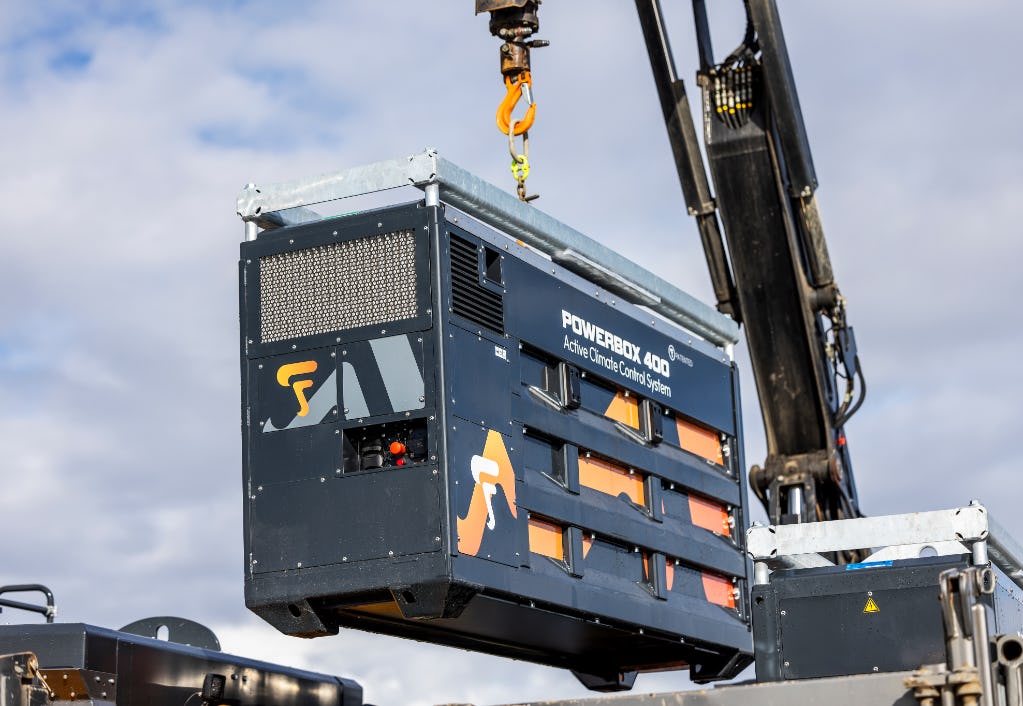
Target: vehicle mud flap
x=612 y=680
x=441 y=599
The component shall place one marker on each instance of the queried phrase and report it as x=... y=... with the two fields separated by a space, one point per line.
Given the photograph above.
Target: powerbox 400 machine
x=452 y=436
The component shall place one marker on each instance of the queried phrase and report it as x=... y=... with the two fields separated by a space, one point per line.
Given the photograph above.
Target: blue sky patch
x=71 y=61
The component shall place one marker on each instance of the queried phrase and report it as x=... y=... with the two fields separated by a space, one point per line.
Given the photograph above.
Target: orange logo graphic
x=490 y=470
x=286 y=372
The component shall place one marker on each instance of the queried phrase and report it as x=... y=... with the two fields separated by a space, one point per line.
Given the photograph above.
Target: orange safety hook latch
x=516 y=89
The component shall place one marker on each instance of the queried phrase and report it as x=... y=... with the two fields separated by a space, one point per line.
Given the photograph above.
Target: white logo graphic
x=485 y=472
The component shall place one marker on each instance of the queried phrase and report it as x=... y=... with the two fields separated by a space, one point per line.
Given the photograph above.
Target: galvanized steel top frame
x=973 y=526
x=443 y=181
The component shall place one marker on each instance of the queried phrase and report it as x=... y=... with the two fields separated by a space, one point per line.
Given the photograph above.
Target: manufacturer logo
x=490 y=470
x=285 y=373
x=676 y=355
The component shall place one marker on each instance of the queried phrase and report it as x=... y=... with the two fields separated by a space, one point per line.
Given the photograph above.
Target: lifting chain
x=520 y=166
x=520 y=87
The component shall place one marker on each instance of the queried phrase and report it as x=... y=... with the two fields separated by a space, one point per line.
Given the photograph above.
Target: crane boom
x=800 y=344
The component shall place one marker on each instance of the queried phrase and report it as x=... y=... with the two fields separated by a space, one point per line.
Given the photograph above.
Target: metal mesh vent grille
x=469 y=299
x=338 y=286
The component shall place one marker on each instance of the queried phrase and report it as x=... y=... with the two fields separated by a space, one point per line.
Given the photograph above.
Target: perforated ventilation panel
x=339 y=286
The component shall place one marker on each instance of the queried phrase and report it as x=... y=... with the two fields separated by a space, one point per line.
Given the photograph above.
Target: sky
x=127 y=129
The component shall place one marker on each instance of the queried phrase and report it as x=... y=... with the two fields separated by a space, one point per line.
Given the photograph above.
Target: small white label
x=501 y=353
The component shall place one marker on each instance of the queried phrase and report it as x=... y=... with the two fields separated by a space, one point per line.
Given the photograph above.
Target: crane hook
x=519 y=88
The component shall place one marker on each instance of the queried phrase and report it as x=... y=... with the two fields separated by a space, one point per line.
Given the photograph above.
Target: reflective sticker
x=351 y=393
x=613 y=480
x=624 y=409
x=709 y=515
x=718 y=590
x=700 y=441
x=546 y=539
x=400 y=372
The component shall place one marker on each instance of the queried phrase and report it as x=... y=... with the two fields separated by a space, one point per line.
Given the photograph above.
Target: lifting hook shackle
x=516 y=89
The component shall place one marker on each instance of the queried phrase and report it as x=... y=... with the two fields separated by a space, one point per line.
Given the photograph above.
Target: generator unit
x=449 y=436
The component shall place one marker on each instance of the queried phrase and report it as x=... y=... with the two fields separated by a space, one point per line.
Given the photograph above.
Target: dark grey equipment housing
x=449 y=437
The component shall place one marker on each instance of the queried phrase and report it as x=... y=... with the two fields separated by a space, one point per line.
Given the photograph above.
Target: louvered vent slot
x=470 y=299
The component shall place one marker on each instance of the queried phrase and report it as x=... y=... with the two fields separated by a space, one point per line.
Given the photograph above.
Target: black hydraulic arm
x=689 y=163
x=803 y=352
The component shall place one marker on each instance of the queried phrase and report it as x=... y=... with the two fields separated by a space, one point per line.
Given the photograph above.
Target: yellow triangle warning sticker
x=871 y=607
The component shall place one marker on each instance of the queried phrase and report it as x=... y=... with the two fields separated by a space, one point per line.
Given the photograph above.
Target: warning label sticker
x=871 y=606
